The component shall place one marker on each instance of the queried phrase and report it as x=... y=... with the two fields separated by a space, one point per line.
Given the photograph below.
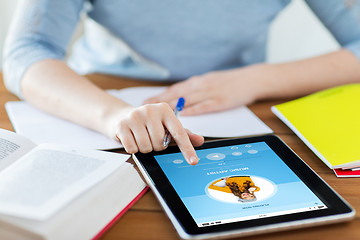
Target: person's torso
x=178 y=39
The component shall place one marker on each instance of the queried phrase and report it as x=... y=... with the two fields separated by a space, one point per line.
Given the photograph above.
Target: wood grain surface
x=147 y=220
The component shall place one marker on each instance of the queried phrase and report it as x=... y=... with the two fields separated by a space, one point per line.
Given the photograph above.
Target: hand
x=143 y=129
x=216 y=91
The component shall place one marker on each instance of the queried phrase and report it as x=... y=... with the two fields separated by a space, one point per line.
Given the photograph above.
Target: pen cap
x=180 y=104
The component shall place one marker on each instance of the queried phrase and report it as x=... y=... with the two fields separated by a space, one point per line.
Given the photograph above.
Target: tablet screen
x=237 y=183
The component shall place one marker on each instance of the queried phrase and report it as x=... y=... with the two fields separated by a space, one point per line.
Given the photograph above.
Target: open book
x=328 y=122
x=42 y=127
x=53 y=191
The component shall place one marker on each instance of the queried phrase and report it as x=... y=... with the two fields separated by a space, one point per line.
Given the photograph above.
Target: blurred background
x=295 y=34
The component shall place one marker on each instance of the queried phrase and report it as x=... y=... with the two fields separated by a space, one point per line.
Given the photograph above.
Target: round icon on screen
x=253 y=151
x=240 y=189
x=237 y=153
x=215 y=156
x=178 y=161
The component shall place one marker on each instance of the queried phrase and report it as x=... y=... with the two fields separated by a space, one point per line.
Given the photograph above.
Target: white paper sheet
x=41 y=127
x=44 y=128
x=238 y=122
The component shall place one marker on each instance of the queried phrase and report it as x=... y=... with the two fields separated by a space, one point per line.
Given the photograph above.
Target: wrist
x=269 y=81
x=112 y=117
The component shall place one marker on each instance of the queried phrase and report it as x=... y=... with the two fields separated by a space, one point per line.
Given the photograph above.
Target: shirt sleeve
x=342 y=19
x=40 y=29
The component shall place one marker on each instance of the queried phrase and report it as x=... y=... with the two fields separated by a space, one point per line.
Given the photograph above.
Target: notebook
x=328 y=122
x=41 y=127
x=347 y=173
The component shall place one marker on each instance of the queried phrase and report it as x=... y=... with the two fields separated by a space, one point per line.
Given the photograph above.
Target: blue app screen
x=236 y=183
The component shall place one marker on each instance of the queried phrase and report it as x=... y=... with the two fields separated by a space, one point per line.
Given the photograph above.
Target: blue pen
x=179 y=106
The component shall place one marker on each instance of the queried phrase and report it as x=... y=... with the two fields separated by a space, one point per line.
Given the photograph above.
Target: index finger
x=182 y=139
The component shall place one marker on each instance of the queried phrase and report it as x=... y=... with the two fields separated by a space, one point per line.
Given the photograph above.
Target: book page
x=12 y=147
x=237 y=122
x=50 y=176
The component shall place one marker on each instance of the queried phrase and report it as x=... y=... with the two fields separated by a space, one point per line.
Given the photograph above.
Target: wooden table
x=147 y=220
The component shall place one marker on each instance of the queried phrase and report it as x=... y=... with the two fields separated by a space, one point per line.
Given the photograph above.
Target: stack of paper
x=328 y=122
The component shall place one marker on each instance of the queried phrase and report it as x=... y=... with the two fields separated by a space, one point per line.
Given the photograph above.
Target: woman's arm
x=33 y=69
x=220 y=90
x=53 y=87
x=302 y=77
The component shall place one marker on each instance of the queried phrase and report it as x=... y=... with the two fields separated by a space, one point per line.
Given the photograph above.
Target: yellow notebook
x=328 y=122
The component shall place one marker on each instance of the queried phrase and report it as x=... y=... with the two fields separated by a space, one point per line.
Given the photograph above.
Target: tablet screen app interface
x=236 y=183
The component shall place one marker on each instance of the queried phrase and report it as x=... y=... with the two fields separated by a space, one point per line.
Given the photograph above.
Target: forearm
x=310 y=75
x=53 y=87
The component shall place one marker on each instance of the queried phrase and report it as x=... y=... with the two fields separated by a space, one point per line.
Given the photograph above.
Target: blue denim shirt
x=157 y=39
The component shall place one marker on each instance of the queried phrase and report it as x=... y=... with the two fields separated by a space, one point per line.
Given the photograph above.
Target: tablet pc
x=240 y=187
